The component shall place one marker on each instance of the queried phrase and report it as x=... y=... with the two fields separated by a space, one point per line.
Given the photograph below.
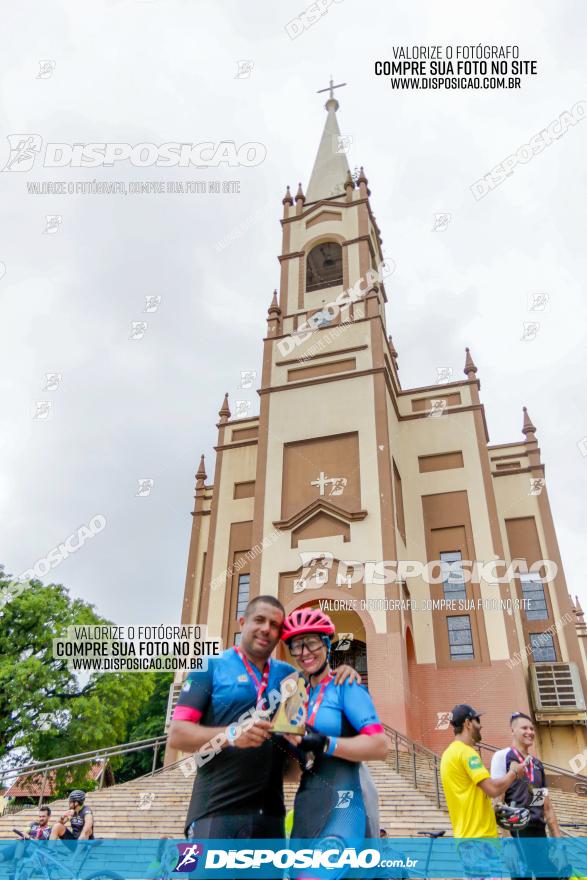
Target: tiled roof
x=30 y=785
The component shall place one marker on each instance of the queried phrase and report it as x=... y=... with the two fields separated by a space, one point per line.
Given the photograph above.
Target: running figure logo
x=344 y=799
x=188 y=857
x=344 y=642
x=443 y=720
x=315 y=571
x=23 y=151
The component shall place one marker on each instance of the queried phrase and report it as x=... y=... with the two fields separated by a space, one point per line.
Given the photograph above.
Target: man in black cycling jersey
x=530 y=791
x=79 y=817
x=238 y=790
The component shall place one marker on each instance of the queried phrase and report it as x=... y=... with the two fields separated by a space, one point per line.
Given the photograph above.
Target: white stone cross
x=337 y=484
x=320 y=482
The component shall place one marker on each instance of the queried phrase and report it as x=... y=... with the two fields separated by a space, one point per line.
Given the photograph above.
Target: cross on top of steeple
x=331 y=88
x=331 y=166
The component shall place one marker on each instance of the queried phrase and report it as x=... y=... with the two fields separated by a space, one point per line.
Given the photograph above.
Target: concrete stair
x=570 y=807
x=404 y=809
x=116 y=809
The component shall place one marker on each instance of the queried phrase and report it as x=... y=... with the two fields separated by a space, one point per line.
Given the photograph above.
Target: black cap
x=461 y=712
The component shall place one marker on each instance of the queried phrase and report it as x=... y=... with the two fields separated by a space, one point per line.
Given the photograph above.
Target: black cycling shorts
x=254 y=825
x=68 y=835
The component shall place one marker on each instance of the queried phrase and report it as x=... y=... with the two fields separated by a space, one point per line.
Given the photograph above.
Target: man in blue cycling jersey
x=238 y=790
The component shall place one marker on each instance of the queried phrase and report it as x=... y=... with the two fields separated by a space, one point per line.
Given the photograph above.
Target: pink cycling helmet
x=306 y=620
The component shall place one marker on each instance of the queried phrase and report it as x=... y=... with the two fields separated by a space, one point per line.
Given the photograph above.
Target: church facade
x=383 y=504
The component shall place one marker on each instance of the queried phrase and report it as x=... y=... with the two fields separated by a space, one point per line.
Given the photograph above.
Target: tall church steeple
x=343 y=467
x=330 y=245
x=331 y=166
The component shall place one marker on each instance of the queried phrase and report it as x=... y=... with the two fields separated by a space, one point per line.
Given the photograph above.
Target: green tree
x=45 y=710
x=149 y=724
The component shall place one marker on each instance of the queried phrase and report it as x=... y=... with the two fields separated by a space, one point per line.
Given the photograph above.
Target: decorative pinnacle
x=201 y=473
x=287 y=199
x=528 y=427
x=274 y=307
x=224 y=412
x=394 y=353
x=470 y=368
x=300 y=194
x=361 y=178
x=349 y=180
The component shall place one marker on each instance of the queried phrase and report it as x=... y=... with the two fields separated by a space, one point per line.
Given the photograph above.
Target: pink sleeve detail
x=371 y=729
x=186 y=713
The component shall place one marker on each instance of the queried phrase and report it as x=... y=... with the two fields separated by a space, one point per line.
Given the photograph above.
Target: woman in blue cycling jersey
x=342 y=729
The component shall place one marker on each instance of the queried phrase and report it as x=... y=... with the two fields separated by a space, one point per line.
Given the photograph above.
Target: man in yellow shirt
x=467 y=784
x=468 y=789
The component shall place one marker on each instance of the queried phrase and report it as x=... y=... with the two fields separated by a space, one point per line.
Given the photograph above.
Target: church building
x=373 y=501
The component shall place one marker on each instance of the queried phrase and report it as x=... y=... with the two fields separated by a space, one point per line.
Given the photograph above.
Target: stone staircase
x=570 y=808
x=121 y=811
x=403 y=809
x=155 y=806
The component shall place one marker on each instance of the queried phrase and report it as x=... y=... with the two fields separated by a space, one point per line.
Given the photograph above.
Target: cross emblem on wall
x=337 y=484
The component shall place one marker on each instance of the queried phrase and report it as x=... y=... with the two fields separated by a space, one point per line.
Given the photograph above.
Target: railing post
x=414 y=764
x=103 y=773
x=155 y=751
x=44 y=780
x=396 y=753
x=436 y=774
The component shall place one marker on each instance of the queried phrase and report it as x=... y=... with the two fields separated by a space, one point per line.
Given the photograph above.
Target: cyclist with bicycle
x=79 y=817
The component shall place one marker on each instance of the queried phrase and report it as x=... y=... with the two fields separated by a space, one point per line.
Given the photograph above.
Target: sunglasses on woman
x=312 y=644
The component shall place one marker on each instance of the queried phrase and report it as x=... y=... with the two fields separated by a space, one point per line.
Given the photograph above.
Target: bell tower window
x=324 y=266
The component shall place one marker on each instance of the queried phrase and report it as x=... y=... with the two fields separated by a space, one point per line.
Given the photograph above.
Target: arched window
x=324 y=266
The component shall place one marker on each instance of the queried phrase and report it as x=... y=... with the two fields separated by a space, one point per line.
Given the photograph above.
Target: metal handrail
x=553 y=768
x=45 y=767
x=412 y=748
x=96 y=754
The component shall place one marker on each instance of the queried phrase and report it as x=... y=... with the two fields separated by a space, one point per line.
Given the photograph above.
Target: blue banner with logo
x=330 y=858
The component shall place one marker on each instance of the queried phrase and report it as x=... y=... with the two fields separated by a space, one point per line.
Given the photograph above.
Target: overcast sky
x=129 y=409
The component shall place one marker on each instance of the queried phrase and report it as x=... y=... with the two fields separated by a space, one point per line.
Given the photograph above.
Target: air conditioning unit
x=557 y=694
